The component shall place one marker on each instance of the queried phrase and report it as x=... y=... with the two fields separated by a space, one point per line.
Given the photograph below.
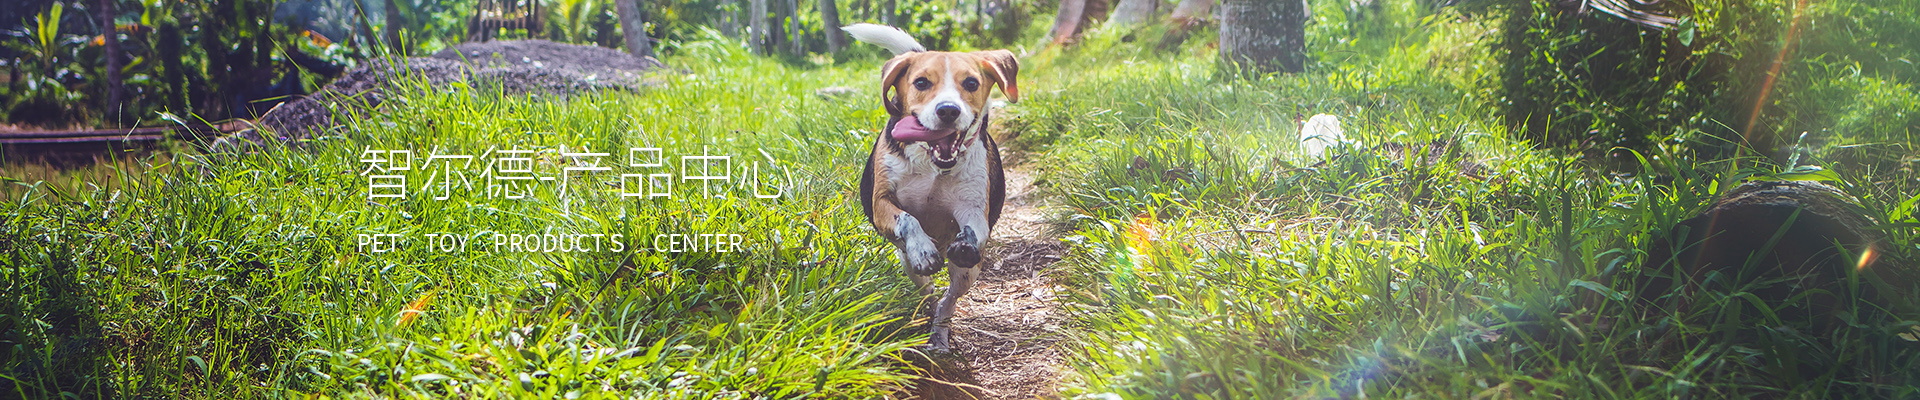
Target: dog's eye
x=922 y=83
x=971 y=84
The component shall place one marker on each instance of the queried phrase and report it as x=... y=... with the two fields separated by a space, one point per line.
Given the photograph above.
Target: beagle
x=933 y=185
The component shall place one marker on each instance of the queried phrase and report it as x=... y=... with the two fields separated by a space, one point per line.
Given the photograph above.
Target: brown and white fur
x=936 y=204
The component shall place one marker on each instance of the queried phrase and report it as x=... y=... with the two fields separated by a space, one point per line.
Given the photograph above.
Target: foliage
x=1596 y=83
x=1211 y=261
x=41 y=93
x=238 y=275
x=584 y=21
x=1208 y=258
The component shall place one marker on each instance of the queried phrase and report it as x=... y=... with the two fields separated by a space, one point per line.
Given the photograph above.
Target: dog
x=933 y=185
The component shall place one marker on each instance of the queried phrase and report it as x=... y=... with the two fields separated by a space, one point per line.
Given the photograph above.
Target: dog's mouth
x=945 y=143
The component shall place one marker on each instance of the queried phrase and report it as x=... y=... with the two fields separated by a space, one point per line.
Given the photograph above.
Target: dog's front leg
x=964 y=252
x=919 y=256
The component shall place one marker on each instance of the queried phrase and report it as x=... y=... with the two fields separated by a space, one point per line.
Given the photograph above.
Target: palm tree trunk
x=114 y=94
x=1263 y=36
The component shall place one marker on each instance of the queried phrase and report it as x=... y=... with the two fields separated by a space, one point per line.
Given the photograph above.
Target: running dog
x=933 y=184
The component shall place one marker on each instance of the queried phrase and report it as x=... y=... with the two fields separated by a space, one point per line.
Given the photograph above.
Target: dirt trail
x=1007 y=330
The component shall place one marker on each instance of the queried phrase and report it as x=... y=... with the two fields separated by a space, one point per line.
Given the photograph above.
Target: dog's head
x=937 y=97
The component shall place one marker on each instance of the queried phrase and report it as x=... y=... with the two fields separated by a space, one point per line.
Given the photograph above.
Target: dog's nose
x=947 y=112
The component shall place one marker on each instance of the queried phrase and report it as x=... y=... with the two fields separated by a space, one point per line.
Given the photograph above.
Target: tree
x=1074 y=16
x=633 y=27
x=757 y=26
x=1134 y=12
x=112 y=41
x=1190 y=15
x=794 y=44
x=830 y=15
x=1263 y=36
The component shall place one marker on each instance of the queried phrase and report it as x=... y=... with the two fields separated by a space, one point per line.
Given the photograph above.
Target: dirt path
x=1007 y=329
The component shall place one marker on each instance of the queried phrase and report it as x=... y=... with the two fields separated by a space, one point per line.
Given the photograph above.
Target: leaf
x=198 y=363
x=1906 y=209
x=1596 y=287
x=1803 y=173
x=1913 y=335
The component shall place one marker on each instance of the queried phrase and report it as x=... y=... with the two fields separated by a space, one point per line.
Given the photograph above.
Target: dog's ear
x=890 y=74
x=1005 y=69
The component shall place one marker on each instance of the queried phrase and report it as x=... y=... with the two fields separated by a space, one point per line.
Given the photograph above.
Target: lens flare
x=1773 y=71
x=1866 y=259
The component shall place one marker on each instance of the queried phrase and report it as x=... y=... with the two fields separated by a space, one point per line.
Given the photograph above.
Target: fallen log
x=1775 y=239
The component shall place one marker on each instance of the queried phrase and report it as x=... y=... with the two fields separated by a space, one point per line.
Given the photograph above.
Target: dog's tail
x=892 y=38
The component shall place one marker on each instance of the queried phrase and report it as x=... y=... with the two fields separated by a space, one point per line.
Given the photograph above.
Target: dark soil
x=528 y=67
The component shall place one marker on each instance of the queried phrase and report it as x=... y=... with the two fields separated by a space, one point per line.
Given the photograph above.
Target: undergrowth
x=246 y=275
x=1436 y=253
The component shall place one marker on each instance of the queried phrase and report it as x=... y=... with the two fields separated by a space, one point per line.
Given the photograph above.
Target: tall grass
x=1213 y=261
x=239 y=275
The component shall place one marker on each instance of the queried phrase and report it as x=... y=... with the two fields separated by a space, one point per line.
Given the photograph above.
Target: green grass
x=210 y=276
x=1213 y=261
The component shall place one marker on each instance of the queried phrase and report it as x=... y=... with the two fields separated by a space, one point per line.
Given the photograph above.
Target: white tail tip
x=894 y=39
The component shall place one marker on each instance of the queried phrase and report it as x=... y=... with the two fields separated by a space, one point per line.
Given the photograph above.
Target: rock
x=1319 y=133
x=1819 y=229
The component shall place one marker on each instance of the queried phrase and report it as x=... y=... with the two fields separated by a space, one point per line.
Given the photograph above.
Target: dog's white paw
x=918 y=250
x=921 y=256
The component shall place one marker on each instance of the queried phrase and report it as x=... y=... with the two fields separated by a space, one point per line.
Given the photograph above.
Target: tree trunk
x=1067 y=21
x=114 y=92
x=757 y=26
x=729 y=21
x=1263 y=36
x=1074 y=17
x=796 y=46
x=394 y=23
x=1134 y=12
x=830 y=15
x=1190 y=10
x=173 y=73
x=1190 y=15
x=633 y=27
x=886 y=14
x=215 y=82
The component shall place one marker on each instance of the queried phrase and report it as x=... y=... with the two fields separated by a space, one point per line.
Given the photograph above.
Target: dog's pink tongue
x=909 y=129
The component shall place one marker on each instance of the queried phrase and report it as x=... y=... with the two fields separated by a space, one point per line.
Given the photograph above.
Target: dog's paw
x=963 y=255
x=965 y=249
x=916 y=249
x=921 y=256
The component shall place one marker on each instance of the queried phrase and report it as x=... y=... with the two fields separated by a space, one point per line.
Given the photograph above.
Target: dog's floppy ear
x=1005 y=69
x=890 y=74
